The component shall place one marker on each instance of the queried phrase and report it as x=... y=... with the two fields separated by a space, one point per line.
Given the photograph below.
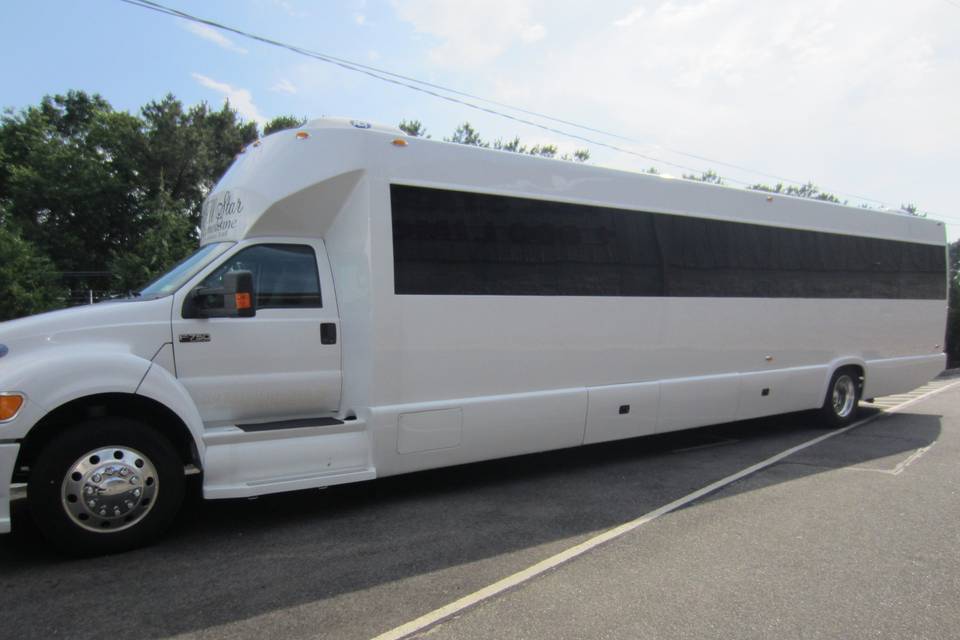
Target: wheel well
x=125 y=405
x=861 y=374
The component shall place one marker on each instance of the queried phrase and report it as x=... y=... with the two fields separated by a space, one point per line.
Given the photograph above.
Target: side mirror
x=236 y=299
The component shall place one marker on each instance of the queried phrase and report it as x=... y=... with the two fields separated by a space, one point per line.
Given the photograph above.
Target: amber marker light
x=243 y=300
x=399 y=142
x=9 y=405
x=302 y=135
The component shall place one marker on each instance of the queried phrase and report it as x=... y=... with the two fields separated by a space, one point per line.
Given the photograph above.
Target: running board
x=277 y=485
x=250 y=460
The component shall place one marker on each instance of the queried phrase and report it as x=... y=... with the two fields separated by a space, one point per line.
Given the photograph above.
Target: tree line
x=93 y=199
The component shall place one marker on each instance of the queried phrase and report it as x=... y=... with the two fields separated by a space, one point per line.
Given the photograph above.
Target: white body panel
x=421 y=381
x=256 y=369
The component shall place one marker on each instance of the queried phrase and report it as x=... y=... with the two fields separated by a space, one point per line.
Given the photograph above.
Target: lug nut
x=97 y=477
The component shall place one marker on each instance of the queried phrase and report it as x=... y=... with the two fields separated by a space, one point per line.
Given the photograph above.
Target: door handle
x=328 y=333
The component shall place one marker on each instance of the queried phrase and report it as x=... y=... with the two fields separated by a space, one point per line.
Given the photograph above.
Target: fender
x=51 y=378
x=838 y=363
x=160 y=385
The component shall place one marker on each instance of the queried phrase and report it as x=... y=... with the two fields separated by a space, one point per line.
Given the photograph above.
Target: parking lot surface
x=856 y=536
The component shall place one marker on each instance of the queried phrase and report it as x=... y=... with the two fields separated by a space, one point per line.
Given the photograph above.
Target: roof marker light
x=399 y=142
x=302 y=135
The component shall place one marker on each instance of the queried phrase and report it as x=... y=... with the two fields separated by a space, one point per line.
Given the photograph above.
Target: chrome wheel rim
x=844 y=396
x=109 y=489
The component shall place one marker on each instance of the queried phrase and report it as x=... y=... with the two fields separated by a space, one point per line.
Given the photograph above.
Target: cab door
x=282 y=363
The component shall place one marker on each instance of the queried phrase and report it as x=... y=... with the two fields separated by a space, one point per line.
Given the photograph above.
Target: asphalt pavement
x=856 y=536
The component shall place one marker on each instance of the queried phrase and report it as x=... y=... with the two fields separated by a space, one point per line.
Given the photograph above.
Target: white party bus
x=365 y=304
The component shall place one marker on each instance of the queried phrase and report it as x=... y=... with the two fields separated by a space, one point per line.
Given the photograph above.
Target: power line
x=153 y=6
x=432 y=90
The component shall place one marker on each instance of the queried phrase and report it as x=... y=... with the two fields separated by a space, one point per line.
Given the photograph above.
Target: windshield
x=174 y=279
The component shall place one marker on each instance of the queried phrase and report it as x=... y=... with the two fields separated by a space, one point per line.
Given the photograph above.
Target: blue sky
x=861 y=97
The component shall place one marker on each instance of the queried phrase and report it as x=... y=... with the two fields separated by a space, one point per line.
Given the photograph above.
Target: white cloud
x=630 y=18
x=360 y=19
x=212 y=35
x=818 y=90
x=473 y=33
x=533 y=33
x=284 y=86
x=240 y=99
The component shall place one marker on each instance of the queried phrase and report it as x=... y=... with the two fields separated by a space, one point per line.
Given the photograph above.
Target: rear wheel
x=105 y=486
x=843 y=397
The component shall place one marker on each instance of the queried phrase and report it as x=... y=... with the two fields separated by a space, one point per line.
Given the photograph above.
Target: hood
x=139 y=327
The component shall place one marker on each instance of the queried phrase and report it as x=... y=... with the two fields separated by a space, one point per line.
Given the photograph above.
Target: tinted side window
x=458 y=243
x=284 y=275
x=450 y=242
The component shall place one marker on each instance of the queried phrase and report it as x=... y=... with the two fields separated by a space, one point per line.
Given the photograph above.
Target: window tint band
x=458 y=243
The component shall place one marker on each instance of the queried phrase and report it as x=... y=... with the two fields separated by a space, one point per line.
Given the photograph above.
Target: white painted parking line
x=898 y=469
x=511 y=581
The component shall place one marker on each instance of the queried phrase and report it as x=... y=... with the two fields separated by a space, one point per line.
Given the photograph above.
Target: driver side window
x=284 y=275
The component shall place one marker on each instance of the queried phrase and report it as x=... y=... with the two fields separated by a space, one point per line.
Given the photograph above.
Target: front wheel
x=843 y=398
x=105 y=486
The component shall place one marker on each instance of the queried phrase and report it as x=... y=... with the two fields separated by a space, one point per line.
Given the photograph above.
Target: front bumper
x=8 y=460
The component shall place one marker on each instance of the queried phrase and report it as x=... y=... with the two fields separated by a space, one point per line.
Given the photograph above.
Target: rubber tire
x=56 y=458
x=827 y=414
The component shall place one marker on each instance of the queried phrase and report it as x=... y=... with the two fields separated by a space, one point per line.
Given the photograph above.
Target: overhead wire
x=433 y=90
x=148 y=4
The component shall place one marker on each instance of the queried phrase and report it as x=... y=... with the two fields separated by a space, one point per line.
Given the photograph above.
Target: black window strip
x=458 y=243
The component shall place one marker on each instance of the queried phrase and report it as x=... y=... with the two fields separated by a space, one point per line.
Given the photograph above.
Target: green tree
x=29 y=282
x=187 y=150
x=466 y=134
x=913 y=210
x=544 y=150
x=281 y=123
x=808 y=190
x=92 y=188
x=69 y=176
x=413 y=128
x=710 y=176
x=170 y=236
x=512 y=145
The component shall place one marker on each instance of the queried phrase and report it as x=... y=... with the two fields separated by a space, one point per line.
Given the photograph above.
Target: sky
x=862 y=97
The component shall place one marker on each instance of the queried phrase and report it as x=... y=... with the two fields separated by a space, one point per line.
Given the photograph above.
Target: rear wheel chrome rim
x=109 y=489
x=844 y=396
